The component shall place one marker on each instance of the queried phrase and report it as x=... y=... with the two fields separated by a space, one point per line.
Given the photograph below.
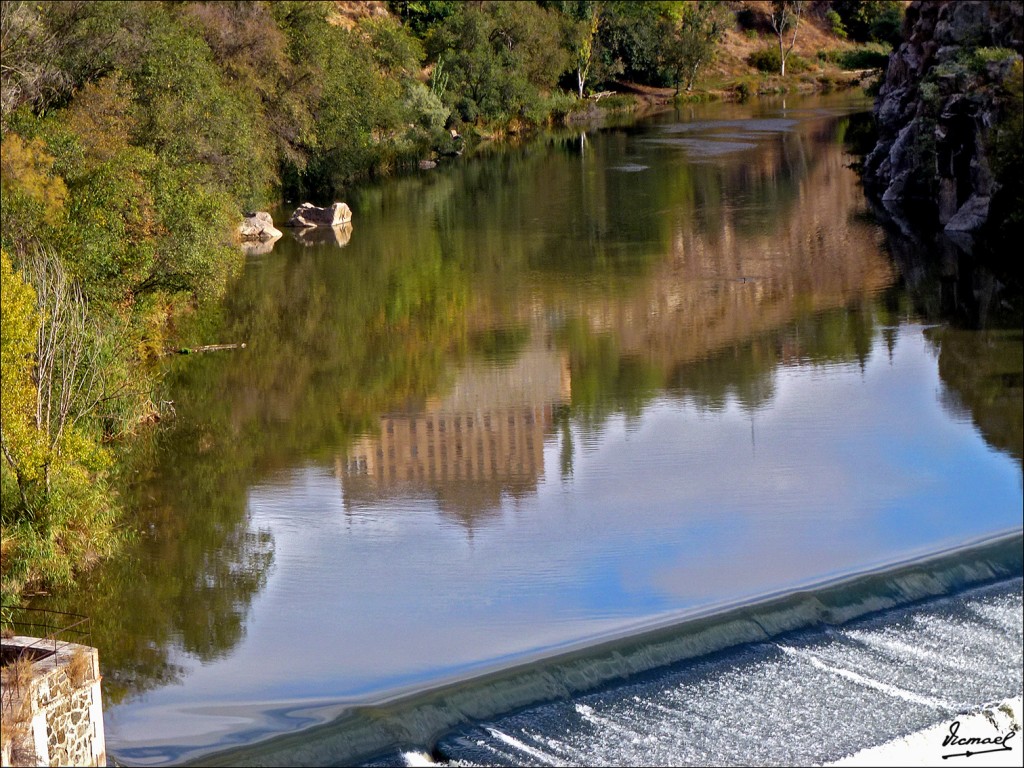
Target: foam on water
x=417 y=759
x=891 y=690
x=523 y=748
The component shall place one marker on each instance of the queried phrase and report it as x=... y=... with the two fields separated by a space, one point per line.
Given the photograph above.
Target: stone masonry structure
x=54 y=715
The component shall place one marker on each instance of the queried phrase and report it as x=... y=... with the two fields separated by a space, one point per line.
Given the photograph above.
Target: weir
x=419 y=719
x=809 y=698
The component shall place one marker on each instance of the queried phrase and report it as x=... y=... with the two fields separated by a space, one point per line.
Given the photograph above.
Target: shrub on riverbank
x=56 y=512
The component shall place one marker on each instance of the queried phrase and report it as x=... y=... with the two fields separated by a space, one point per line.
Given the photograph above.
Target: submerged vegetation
x=135 y=135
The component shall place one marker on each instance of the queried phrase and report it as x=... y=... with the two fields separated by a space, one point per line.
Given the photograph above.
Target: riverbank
x=738 y=87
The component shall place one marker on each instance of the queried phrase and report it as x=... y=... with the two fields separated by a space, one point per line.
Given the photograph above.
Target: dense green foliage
x=690 y=42
x=870 y=56
x=134 y=136
x=56 y=515
x=876 y=21
x=499 y=57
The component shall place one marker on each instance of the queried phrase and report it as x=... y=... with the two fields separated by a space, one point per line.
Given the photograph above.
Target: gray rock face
x=970 y=216
x=309 y=215
x=935 y=110
x=258 y=227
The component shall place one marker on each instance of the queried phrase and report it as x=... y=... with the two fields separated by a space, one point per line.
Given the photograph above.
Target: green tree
x=136 y=222
x=421 y=16
x=871 y=20
x=354 y=85
x=397 y=53
x=189 y=113
x=358 y=108
x=631 y=37
x=399 y=56
x=500 y=58
x=582 y=38
x=835 y=24
x=691 y=42
x=250 y=46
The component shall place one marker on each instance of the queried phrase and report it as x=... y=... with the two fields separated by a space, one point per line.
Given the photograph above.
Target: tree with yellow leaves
x=57 y=516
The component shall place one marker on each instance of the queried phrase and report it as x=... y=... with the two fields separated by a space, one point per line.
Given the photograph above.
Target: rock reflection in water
x=259 y=247
x=338 y=235
x=972 y=293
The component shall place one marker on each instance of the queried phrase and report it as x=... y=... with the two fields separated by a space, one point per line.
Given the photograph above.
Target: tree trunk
x=692 y=76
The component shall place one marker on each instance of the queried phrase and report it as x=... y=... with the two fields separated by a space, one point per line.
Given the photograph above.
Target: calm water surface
x=537 y=398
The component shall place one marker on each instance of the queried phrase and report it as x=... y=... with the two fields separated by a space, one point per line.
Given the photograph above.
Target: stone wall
x=56 y=718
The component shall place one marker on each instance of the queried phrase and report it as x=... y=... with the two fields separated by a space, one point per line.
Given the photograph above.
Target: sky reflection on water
x=674 y=510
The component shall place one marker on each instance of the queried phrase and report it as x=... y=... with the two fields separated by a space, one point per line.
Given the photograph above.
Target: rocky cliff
x=946 y=113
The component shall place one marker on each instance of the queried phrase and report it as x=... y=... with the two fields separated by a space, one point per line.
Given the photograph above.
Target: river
x=608 y=399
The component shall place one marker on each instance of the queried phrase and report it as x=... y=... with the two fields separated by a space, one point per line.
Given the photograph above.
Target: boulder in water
x=309 y=215
x=259 y=227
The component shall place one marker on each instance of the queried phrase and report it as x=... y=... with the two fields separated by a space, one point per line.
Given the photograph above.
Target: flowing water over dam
x=714 y=690
x=808 y=698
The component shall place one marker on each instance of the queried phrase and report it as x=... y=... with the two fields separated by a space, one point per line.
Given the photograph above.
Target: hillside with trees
x=136 y=134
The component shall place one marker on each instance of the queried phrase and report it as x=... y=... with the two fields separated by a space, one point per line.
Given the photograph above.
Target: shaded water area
x=641 y=393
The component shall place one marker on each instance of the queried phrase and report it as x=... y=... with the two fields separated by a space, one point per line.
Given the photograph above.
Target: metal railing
x=57 y=626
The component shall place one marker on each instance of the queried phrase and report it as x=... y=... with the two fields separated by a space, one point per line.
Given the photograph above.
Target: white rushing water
x=806 y=699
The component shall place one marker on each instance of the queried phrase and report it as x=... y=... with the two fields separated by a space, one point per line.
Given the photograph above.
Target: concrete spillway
x=803 y=677
x=805 y=698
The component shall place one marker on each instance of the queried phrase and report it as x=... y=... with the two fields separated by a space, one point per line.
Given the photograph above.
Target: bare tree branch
x=785 y=16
